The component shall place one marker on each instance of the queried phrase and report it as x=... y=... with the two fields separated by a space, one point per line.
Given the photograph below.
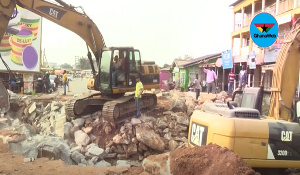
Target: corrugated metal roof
x=197 y=60
x=235 y=3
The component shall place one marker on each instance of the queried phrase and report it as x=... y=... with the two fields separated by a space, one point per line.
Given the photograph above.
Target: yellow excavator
x=115 y=104
x=260 y=126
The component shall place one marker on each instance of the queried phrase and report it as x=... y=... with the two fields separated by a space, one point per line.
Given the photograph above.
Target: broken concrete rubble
x=149 y=138
x=90 y=140
x=81 y=138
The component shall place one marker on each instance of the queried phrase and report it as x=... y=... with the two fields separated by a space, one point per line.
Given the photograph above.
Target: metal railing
x=285 y=5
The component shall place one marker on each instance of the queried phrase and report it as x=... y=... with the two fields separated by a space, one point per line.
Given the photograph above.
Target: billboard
x=21 y=43
x=227 y=59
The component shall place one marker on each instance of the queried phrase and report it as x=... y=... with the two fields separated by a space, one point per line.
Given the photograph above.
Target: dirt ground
x=208 y=160
x=13 y=164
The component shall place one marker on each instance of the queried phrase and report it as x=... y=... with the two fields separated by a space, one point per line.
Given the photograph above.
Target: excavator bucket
x=4 y=99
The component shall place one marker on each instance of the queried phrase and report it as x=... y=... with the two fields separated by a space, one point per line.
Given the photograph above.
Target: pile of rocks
x=42 y=129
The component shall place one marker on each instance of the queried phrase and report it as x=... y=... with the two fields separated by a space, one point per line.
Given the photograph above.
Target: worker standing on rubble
x=138 y=95
x=210 y=79
x=64 y=81
x=197 y=84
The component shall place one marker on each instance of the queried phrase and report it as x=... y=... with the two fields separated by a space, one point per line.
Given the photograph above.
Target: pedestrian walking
x=243 y=77
x=64 y=81
x=197 y=84
x=231 y=78
x=210 y=79
x=138 y=95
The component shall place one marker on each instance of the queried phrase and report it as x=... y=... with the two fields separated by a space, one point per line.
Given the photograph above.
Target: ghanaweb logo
x=264 y=30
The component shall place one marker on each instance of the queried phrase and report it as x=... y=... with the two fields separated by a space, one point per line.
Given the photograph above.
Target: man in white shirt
x=243 y=77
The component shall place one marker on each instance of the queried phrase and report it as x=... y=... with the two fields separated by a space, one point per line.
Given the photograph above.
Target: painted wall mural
x=20 y=46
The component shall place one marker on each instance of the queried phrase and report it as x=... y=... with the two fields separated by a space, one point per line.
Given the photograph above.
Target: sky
x=161 y=29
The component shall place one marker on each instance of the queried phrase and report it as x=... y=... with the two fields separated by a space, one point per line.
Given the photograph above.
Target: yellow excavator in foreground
x=115 y=105
x=270 y=141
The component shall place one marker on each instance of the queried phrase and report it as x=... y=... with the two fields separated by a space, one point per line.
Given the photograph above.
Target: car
x=70 y=77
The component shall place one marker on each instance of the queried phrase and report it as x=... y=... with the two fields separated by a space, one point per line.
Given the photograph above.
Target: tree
x=166 y=65
x=66 y=66
x=84 y=63
x=187 y=57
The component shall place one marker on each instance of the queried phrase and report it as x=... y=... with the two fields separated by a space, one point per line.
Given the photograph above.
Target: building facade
x=285 y=11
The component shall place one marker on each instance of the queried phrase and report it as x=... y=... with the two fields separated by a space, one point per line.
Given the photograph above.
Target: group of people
x=211 y=78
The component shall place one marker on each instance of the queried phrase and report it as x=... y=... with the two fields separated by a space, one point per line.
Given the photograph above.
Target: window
x=151 y=70
x=137 y=57
x=143 y=69
x=105 y=69
x=182 y=79
x=248 y=100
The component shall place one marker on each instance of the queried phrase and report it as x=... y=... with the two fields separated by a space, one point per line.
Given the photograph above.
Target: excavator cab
x=118 y=68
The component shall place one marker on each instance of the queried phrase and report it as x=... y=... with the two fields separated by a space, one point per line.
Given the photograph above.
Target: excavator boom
x=115 y=106
x=285 y=77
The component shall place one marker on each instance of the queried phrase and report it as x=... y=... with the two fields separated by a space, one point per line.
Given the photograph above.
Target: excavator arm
x=285 y=77
x=64 y=15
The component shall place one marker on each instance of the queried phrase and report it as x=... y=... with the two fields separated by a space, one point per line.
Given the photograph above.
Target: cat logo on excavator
x=286 y=136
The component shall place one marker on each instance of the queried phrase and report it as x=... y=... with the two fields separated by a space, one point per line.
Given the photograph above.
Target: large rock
x=44 y=146
x=78 y=157
x=55 y=147
x=190 y=106
x=172 y=145
x=182 y=118
x=79 y=122
x=128 y=163
x=132 y=149
x=81 y=138
x=102 y=164
x=27 y=129
x=95 y=150
x=157 y=164
x=55 y=105
x=59 y=124
x=118 y=139
x=207 y=97
x=179 y=105
x=135 y=121
x=67 y=130
x=222 y=96
x=149 y=138
x=161 y=124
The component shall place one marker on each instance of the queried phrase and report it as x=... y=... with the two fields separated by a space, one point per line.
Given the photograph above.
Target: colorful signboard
x=227 y=59
x=20 y=46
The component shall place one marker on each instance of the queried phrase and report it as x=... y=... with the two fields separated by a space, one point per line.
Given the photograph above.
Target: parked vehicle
x=70 y=77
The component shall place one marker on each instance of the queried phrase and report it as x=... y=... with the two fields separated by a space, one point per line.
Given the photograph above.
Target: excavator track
x=75 y=107
x=114 y=110
x=124 y=108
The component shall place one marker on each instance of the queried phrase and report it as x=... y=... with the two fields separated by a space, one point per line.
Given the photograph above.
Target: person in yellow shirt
x=138 y=95
x=64 y=81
